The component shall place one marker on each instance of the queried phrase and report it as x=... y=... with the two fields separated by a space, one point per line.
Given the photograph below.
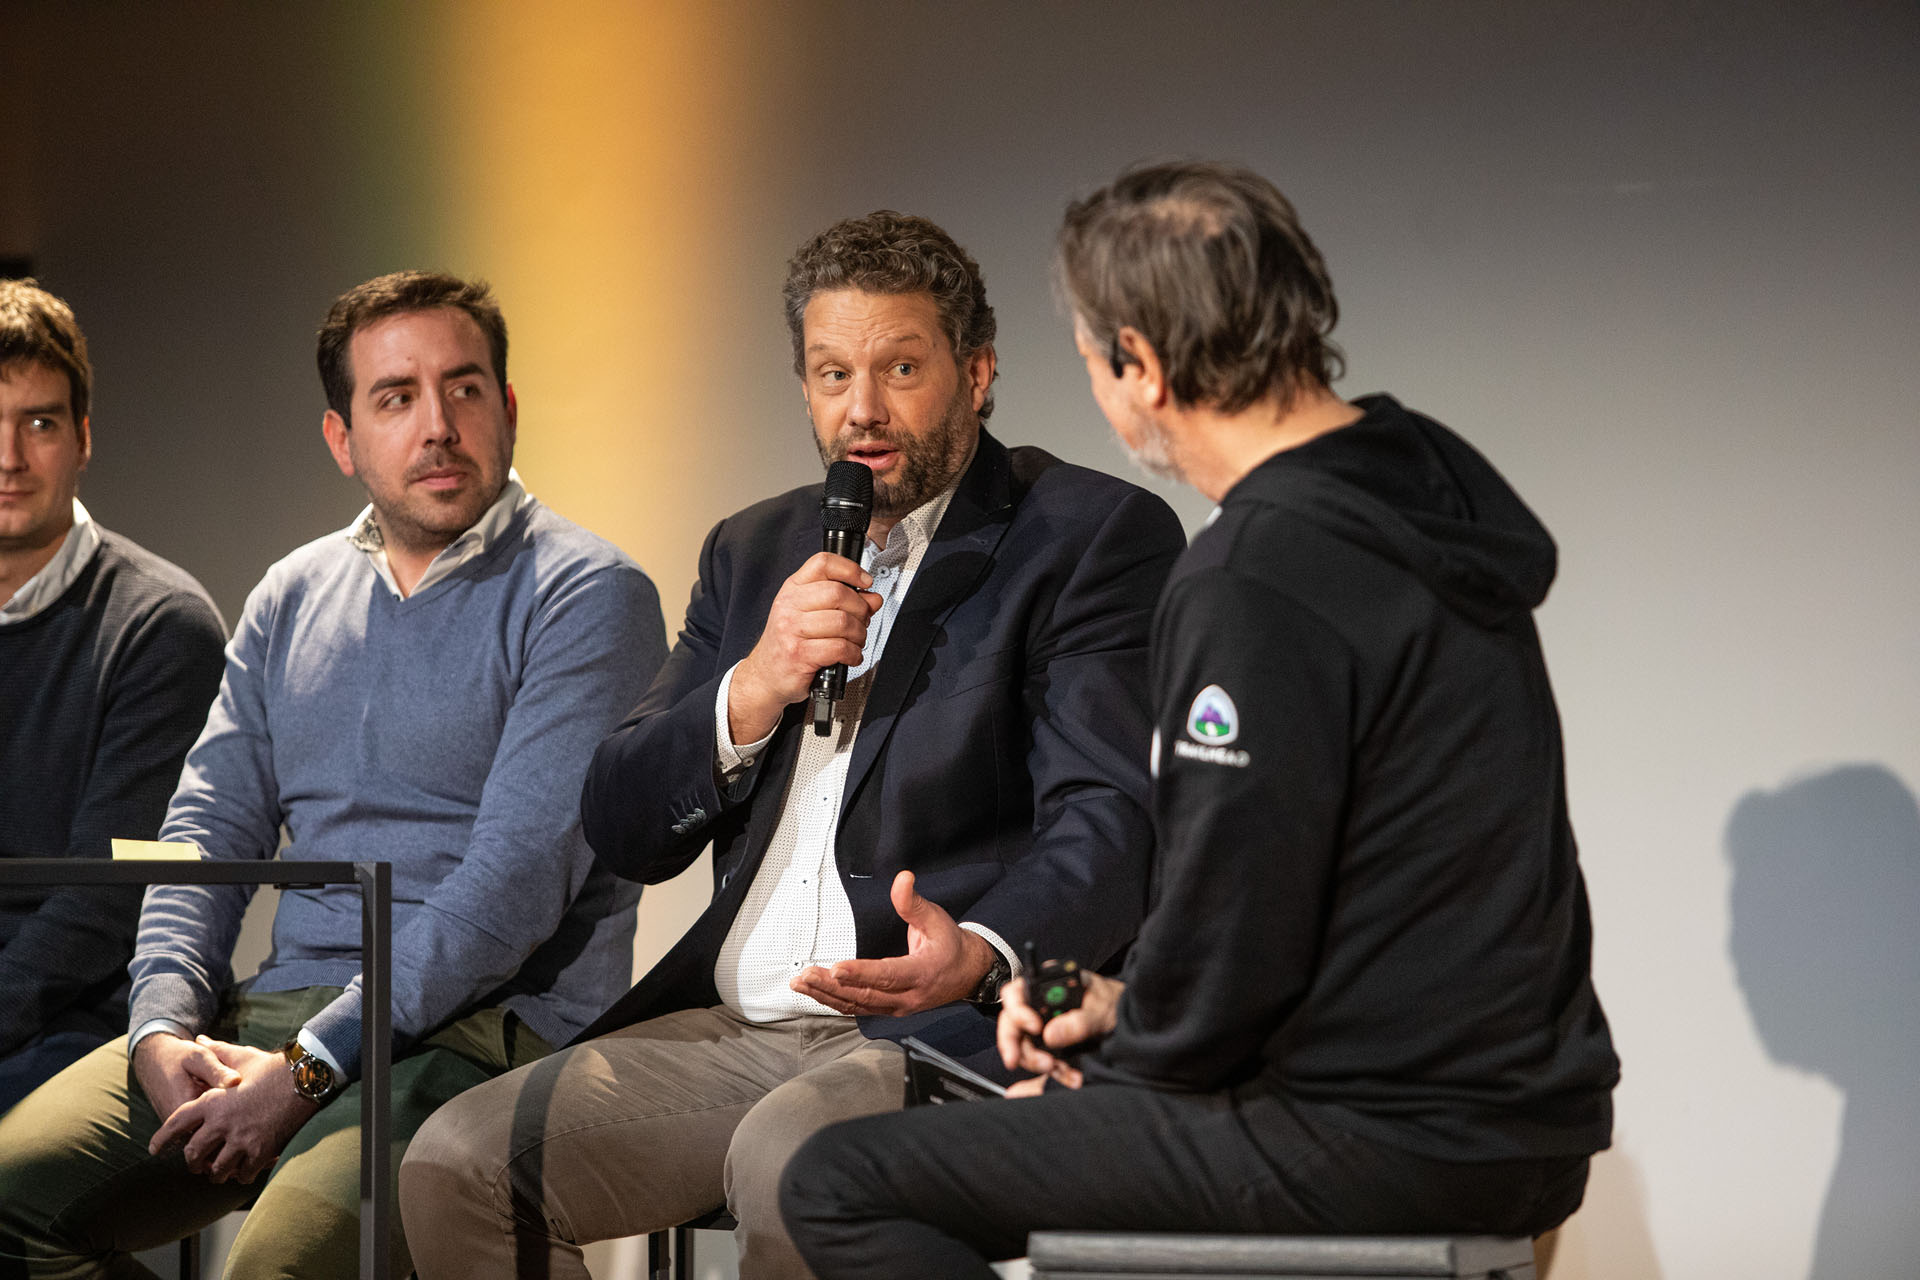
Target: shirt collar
x=921 y=522
x=364 y=535
x=57 y=574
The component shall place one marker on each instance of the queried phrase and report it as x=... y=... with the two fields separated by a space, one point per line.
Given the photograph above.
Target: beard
x=1152 y=452
x=927 y=462
x=412 y=520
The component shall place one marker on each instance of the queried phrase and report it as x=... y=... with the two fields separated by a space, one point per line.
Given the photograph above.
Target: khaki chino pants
x=632 y=1132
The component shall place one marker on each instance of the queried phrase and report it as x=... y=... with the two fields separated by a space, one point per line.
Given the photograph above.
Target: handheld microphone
x=846 y=505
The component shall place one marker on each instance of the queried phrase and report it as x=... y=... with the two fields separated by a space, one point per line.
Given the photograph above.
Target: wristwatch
x=988 y=992
x=313 y=1079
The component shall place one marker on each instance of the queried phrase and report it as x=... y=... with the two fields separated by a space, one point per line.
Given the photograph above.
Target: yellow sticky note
x=153 y=849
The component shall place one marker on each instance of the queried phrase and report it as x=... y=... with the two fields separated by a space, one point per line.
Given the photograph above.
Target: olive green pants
x=79 y=1193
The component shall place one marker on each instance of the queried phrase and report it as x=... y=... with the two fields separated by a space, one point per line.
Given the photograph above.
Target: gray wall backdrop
x=1657 y=260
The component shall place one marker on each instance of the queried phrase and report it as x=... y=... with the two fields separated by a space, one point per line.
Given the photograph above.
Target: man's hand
x=943 y=963
x=819 y=618
x=174 y=1071
x=1021 y=1032
x=236 y=1132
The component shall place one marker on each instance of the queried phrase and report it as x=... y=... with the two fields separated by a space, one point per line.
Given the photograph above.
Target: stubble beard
x=425 y=522
x=1153 y=453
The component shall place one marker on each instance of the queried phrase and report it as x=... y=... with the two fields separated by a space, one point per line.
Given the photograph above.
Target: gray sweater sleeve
x=596 y=643
x=183 y=952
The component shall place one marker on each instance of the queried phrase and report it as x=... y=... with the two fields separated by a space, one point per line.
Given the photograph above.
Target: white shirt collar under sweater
x=364 y=533
x=57 y=574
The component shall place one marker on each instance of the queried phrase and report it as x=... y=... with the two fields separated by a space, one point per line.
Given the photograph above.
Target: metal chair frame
x=677 y=1263
x=376 y=1027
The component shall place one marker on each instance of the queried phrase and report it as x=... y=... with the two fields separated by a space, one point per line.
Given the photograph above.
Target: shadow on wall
x=1826 y=941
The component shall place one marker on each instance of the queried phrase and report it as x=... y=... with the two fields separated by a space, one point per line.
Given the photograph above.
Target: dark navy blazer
x=1002 y=756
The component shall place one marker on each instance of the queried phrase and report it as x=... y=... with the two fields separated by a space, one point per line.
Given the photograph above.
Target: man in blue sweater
x=425 y=687
x=108 y=658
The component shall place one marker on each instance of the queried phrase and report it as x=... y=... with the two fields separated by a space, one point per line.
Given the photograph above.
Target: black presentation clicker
x=1055 y=987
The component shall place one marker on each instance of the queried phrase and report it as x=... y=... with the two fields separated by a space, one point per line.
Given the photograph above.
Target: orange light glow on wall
x=589 y=144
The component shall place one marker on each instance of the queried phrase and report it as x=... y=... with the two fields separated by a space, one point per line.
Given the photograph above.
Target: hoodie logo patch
x=1213 y=719
x=1212 y=722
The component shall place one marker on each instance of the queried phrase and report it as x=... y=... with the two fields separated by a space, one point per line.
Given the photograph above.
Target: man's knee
x=456 y=1152
x=301 y=1238
x=781 y=1123
x=768 y=1136
x=827 y=1178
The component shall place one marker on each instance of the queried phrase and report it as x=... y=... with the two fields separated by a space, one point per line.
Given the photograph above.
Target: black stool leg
x=190 y=1257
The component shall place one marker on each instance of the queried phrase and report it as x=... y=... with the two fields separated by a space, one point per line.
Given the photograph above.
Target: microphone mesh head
x=847 y=503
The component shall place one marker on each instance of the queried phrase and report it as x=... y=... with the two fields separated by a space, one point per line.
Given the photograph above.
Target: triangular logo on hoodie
x=1213 y=719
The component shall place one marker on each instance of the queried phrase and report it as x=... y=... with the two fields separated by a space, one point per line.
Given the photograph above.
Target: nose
x=437 y=424
x=867 y=405
x=12 y=456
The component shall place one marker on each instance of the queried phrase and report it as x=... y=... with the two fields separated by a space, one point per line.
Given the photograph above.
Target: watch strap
x=988 y=992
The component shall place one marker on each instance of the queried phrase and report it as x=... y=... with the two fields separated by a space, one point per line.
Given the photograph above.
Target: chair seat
x=1118 y=1255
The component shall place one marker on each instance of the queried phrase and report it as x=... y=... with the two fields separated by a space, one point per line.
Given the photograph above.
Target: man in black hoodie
x=1361 y=1001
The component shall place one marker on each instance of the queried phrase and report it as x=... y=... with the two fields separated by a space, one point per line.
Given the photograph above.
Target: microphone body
x=846 y=507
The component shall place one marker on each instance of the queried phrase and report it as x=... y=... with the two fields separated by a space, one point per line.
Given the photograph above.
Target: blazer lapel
x=961 y=552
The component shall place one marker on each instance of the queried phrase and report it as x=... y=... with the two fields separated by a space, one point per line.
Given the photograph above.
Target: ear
x=335 y=429
x=513 y=417
x=979 y=373
x=1143 y=371
x=85 y=430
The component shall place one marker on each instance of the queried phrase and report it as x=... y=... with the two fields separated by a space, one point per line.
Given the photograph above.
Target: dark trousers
x=40 y=1060
x=937 y=1191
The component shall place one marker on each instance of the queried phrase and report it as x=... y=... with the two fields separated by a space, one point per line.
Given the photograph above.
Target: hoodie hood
x=1408 y=488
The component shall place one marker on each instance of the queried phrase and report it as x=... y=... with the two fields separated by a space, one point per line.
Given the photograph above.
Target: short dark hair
x=1209 y=263
x=889 y=252
x=397 y=294
x=38 y=328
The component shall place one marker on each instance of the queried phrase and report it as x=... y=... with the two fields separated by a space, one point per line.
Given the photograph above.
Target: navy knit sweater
x=101 y=694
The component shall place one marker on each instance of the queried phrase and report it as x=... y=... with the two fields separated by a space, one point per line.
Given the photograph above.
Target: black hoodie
x=1366 y=900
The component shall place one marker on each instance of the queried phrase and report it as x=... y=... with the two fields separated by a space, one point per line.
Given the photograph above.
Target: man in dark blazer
x=982 y=786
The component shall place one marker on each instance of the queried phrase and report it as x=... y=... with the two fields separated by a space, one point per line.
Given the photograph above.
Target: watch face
x=312 y=1078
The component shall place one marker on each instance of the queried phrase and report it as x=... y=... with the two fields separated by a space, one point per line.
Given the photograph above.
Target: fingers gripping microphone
x=845 y=508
